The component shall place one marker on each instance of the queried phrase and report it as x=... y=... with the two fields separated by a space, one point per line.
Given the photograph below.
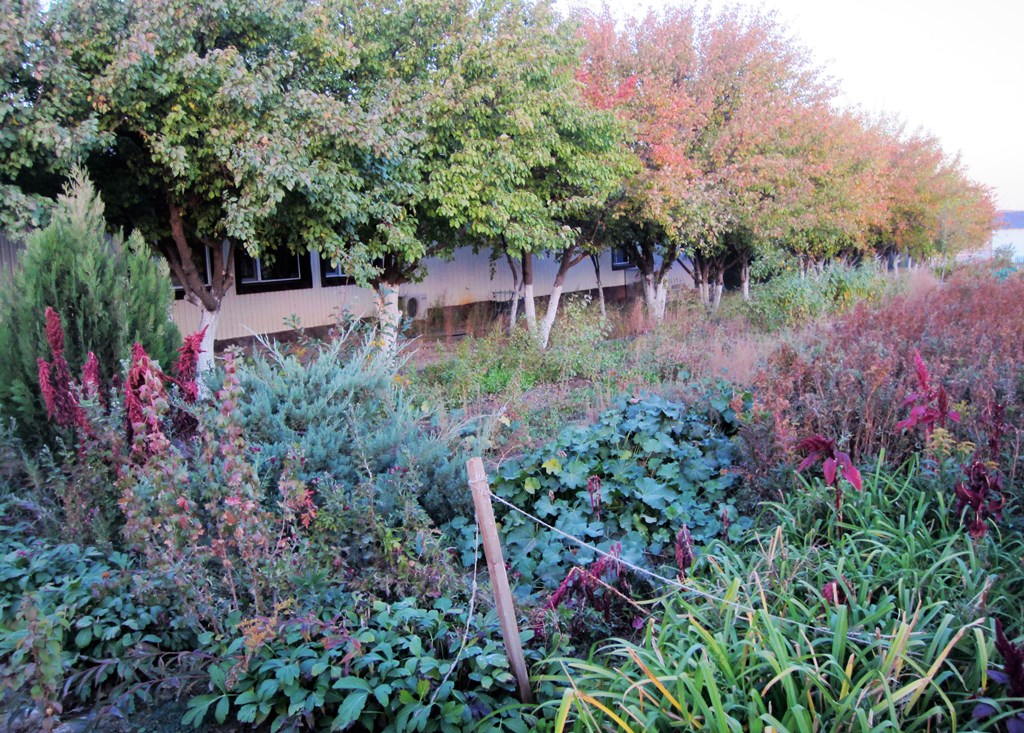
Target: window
x=619 y=259
x=332 y=275
x=201 y=259
x=286 y=271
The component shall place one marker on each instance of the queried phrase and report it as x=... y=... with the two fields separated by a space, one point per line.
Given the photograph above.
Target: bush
x=108 y=292
x=850 y=379
x=342 y=406
x=790 y=299
x=398 y=666
x=647 y=468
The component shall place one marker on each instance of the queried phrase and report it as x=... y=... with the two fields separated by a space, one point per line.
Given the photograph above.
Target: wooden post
x=499 y=578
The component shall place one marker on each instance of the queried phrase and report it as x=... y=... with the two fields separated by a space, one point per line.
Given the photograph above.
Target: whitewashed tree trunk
x=517 y=289
x=745 y=279
x=655 y=297
x=389 y=315
x=207 y=320
x=544 y=335
x=716 y=290
x=530 y=308
x=529 y=304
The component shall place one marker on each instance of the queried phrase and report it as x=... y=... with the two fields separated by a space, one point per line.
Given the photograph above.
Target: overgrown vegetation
x=295 y=549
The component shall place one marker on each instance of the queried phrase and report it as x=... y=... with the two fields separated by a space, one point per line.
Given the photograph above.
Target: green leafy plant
x=660 y=465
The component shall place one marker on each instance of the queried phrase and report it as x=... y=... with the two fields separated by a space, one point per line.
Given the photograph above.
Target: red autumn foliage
x=979 y=498
x=930 y=404
x=850 y=376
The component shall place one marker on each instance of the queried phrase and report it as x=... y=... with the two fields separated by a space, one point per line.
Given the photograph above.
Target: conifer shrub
x=109 y=292
x=344 y=407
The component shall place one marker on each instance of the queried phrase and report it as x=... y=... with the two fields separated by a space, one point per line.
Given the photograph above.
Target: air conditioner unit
x=413 y=307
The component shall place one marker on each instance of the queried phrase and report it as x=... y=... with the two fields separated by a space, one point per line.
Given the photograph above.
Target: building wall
x=463 y=280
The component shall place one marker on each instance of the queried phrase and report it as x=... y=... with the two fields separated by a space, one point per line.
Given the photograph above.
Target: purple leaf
x=829 y=466
x=982 y=710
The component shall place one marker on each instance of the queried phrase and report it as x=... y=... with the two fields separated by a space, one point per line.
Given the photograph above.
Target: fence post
x=499 y=578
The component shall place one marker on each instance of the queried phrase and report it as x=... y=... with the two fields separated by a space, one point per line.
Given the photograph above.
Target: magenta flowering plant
x=929 y=405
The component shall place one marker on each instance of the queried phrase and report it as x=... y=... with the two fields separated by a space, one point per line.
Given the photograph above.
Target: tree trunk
x=596 y=259
x=207 y=297
x=568 y=259
x=529 y=305
x=655 y=296
x=389 y=316
x=207 y=320
x=745 y=277
x=716 y=289
x=517 y=287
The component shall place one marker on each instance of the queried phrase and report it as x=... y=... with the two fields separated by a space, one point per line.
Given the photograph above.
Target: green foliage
x=342 y=406
x=661 y=465
x=375 y=666
x=65 y=610
x=883 y=628
x=500 y=364
x=107 y=291
x=791 y=299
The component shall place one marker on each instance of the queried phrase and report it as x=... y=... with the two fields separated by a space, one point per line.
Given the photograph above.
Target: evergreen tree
x=108 y=292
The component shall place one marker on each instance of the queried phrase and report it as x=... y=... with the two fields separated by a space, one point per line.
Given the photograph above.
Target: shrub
x=850 y=379
x=343 y=407
x=398 y=666
x=646 y=468
x=108 y=292
x=792 y=299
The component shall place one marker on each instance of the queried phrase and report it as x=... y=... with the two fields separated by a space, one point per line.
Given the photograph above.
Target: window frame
x=328 y=280
x=620 y=262
x=302 y=282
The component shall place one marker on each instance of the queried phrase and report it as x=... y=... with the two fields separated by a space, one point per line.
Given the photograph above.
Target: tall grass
x=885 y=626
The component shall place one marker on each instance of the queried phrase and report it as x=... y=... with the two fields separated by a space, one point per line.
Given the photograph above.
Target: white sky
x=954 y=68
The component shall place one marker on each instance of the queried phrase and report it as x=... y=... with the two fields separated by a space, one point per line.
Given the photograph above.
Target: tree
x=241 y=124
x=42 y=128
x=711 y=97
x=524 y=157
x=108 y=292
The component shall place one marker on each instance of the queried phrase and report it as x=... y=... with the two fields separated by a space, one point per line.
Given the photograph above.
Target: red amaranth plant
x=584 y=582
x=55 y=377
x=684 y=552
x=930 y=405
x=91 y=385
x=145 y=401
x=186 y=367
x=980 y=498
x=1011 y=676
x=834 y=463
